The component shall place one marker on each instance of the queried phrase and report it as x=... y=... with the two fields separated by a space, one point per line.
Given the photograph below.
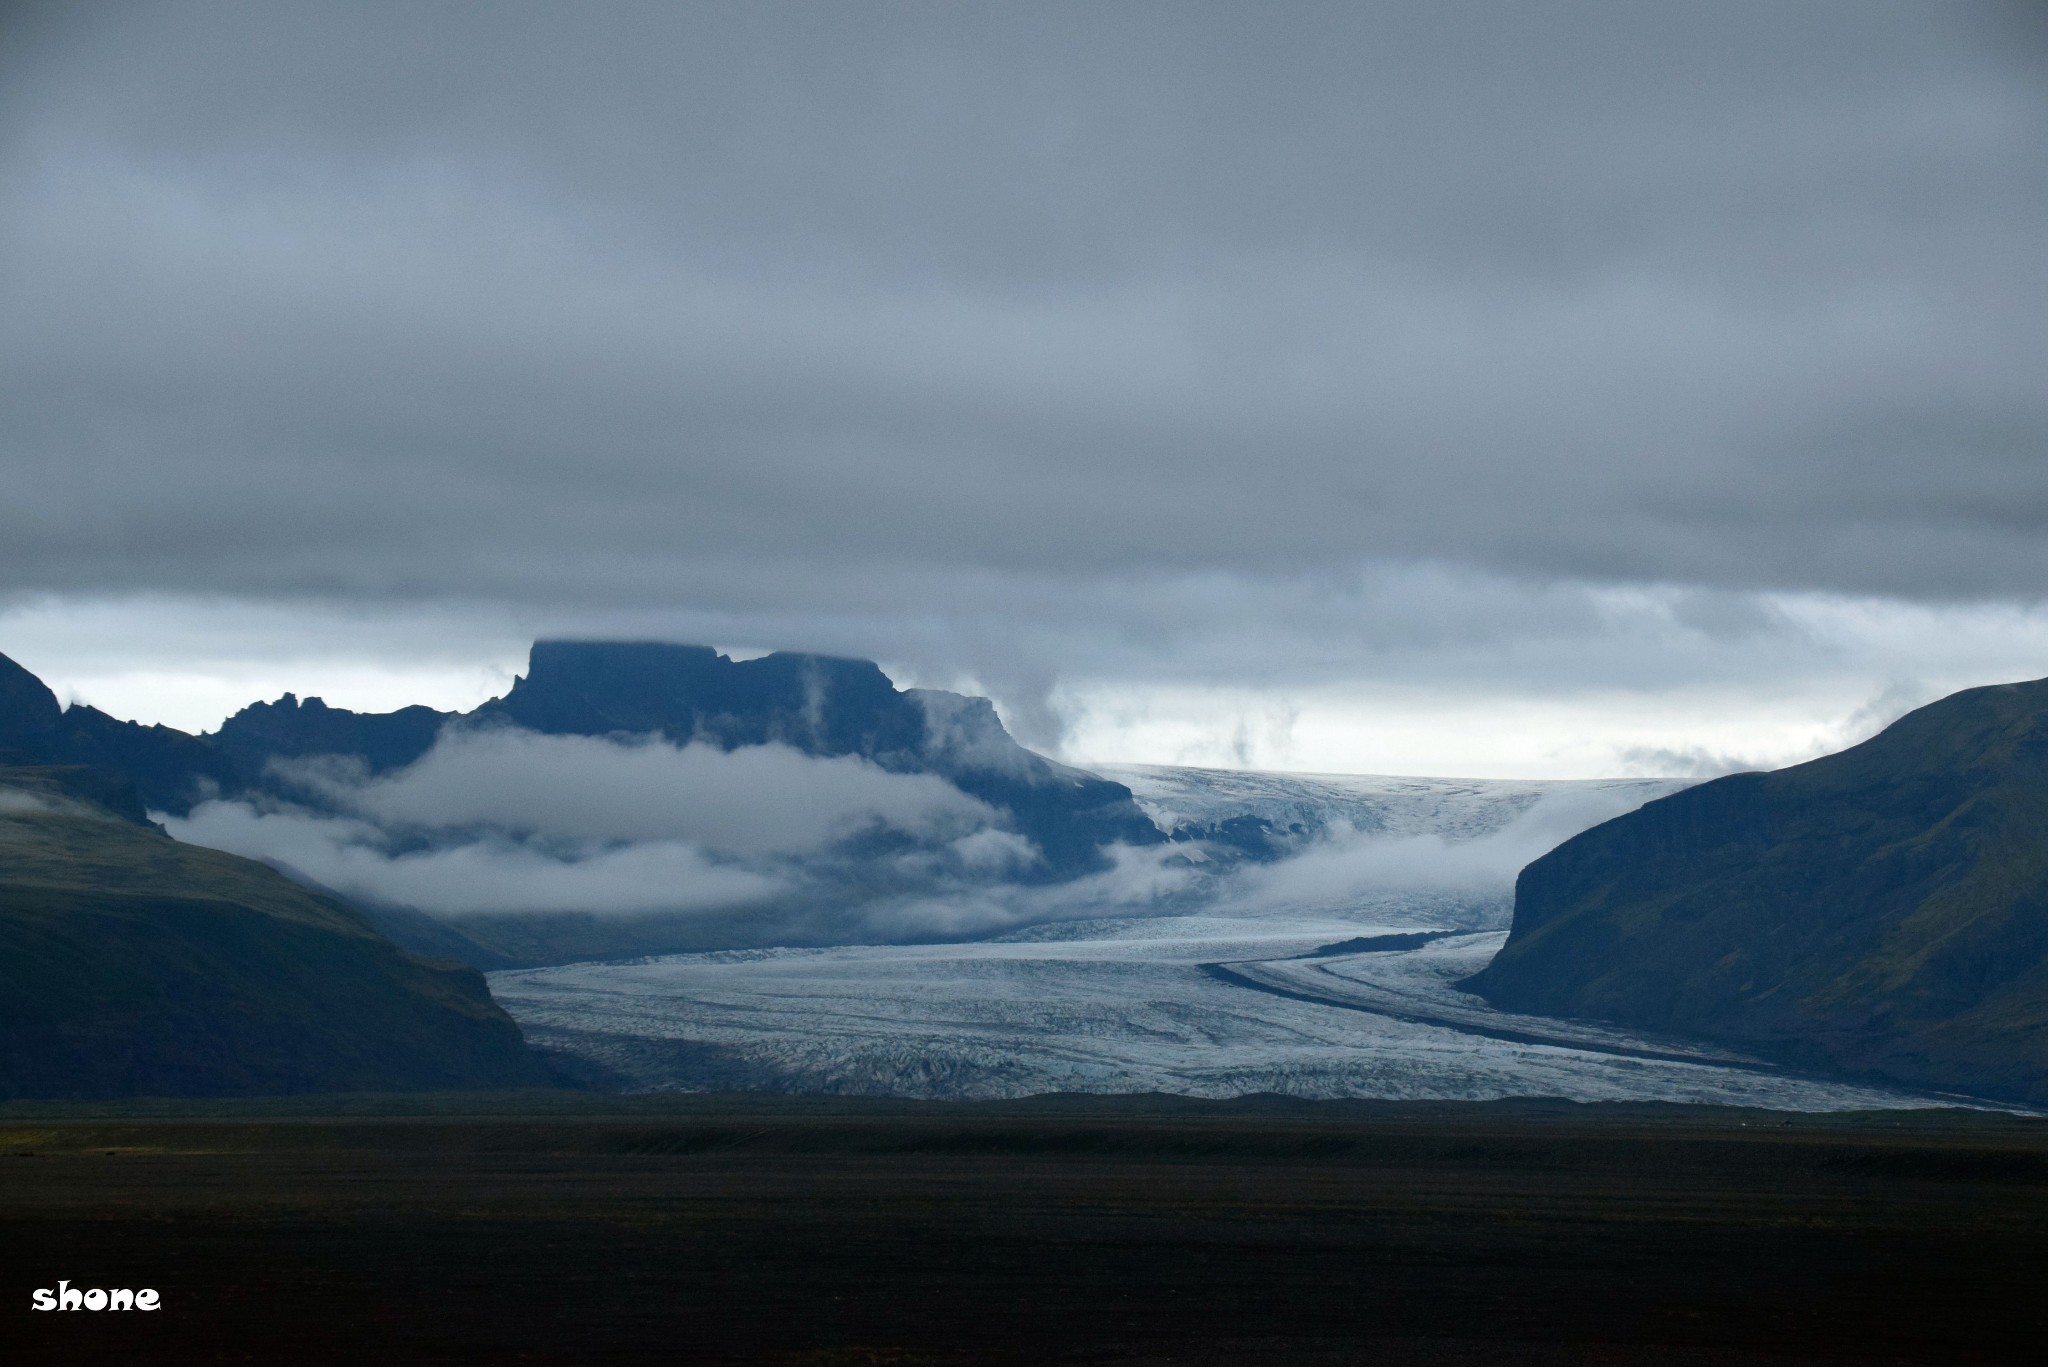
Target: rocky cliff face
x=29 y=712
x=1883 y=910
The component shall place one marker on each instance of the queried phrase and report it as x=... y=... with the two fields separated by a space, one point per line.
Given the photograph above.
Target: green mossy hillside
x=1882 y=911
x=133 y=965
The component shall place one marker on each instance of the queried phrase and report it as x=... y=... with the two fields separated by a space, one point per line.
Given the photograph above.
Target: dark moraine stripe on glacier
x=1225 y=973
x=1379 y=944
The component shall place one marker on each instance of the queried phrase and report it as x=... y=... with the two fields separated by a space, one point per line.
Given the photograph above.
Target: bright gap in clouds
x=1465 y=734
x=192 y=663
x=1629 y=682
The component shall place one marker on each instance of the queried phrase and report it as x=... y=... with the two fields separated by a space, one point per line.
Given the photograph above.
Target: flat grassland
x=558 y=1228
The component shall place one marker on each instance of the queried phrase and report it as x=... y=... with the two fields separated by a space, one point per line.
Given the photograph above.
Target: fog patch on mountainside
x=757 y=800
x=1473 y=876
x=503 y=820
x=763 y=844
x=481 y=874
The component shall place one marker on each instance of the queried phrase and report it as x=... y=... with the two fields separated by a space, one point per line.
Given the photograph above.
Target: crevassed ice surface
x=1224 y=999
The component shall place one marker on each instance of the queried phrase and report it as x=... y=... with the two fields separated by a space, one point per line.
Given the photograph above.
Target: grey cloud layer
x=861 y=318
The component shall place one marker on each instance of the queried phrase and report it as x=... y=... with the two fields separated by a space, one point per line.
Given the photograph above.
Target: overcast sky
x=1515 y=388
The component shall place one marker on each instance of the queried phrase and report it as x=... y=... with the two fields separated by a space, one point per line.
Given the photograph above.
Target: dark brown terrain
x=563 y=1229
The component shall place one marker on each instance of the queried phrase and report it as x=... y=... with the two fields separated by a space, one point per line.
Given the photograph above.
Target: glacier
x=1280 y=979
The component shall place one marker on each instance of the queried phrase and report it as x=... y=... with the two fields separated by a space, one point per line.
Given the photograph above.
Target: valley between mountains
x=686 y=872
x=1304 y=981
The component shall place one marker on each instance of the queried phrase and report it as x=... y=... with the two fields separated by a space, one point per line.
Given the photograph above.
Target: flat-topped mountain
x=1883 y=910
x=818 y=704
x=132 y=964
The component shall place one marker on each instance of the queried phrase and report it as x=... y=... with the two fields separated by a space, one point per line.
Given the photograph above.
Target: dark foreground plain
x=552 y=1228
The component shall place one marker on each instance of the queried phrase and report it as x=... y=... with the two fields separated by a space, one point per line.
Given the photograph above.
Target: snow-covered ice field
x=1224 y=999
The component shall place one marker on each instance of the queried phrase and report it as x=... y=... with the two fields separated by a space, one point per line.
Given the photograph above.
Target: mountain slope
x=1883 y=910
x=131 y=964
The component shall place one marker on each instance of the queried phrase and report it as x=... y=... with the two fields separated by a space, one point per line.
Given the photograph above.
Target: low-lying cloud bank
x=763 y=844
x=507 y=821
x=759 y=800
x=484 y=874
x=1476 y=875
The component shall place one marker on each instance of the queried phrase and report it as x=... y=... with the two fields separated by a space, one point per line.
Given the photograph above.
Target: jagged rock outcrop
x=167 y=767
x=291 y=729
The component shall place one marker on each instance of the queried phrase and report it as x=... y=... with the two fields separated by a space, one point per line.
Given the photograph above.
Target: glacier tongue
x=1129 y=1009
x=1223 y=999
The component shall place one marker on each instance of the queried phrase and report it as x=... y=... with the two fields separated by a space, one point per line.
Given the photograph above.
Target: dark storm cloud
x=855 y=318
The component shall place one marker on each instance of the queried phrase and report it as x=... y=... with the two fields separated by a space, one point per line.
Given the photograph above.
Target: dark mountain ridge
x=1882 y=911
x=821 y=705
x=167 y=767
x=291 y=729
